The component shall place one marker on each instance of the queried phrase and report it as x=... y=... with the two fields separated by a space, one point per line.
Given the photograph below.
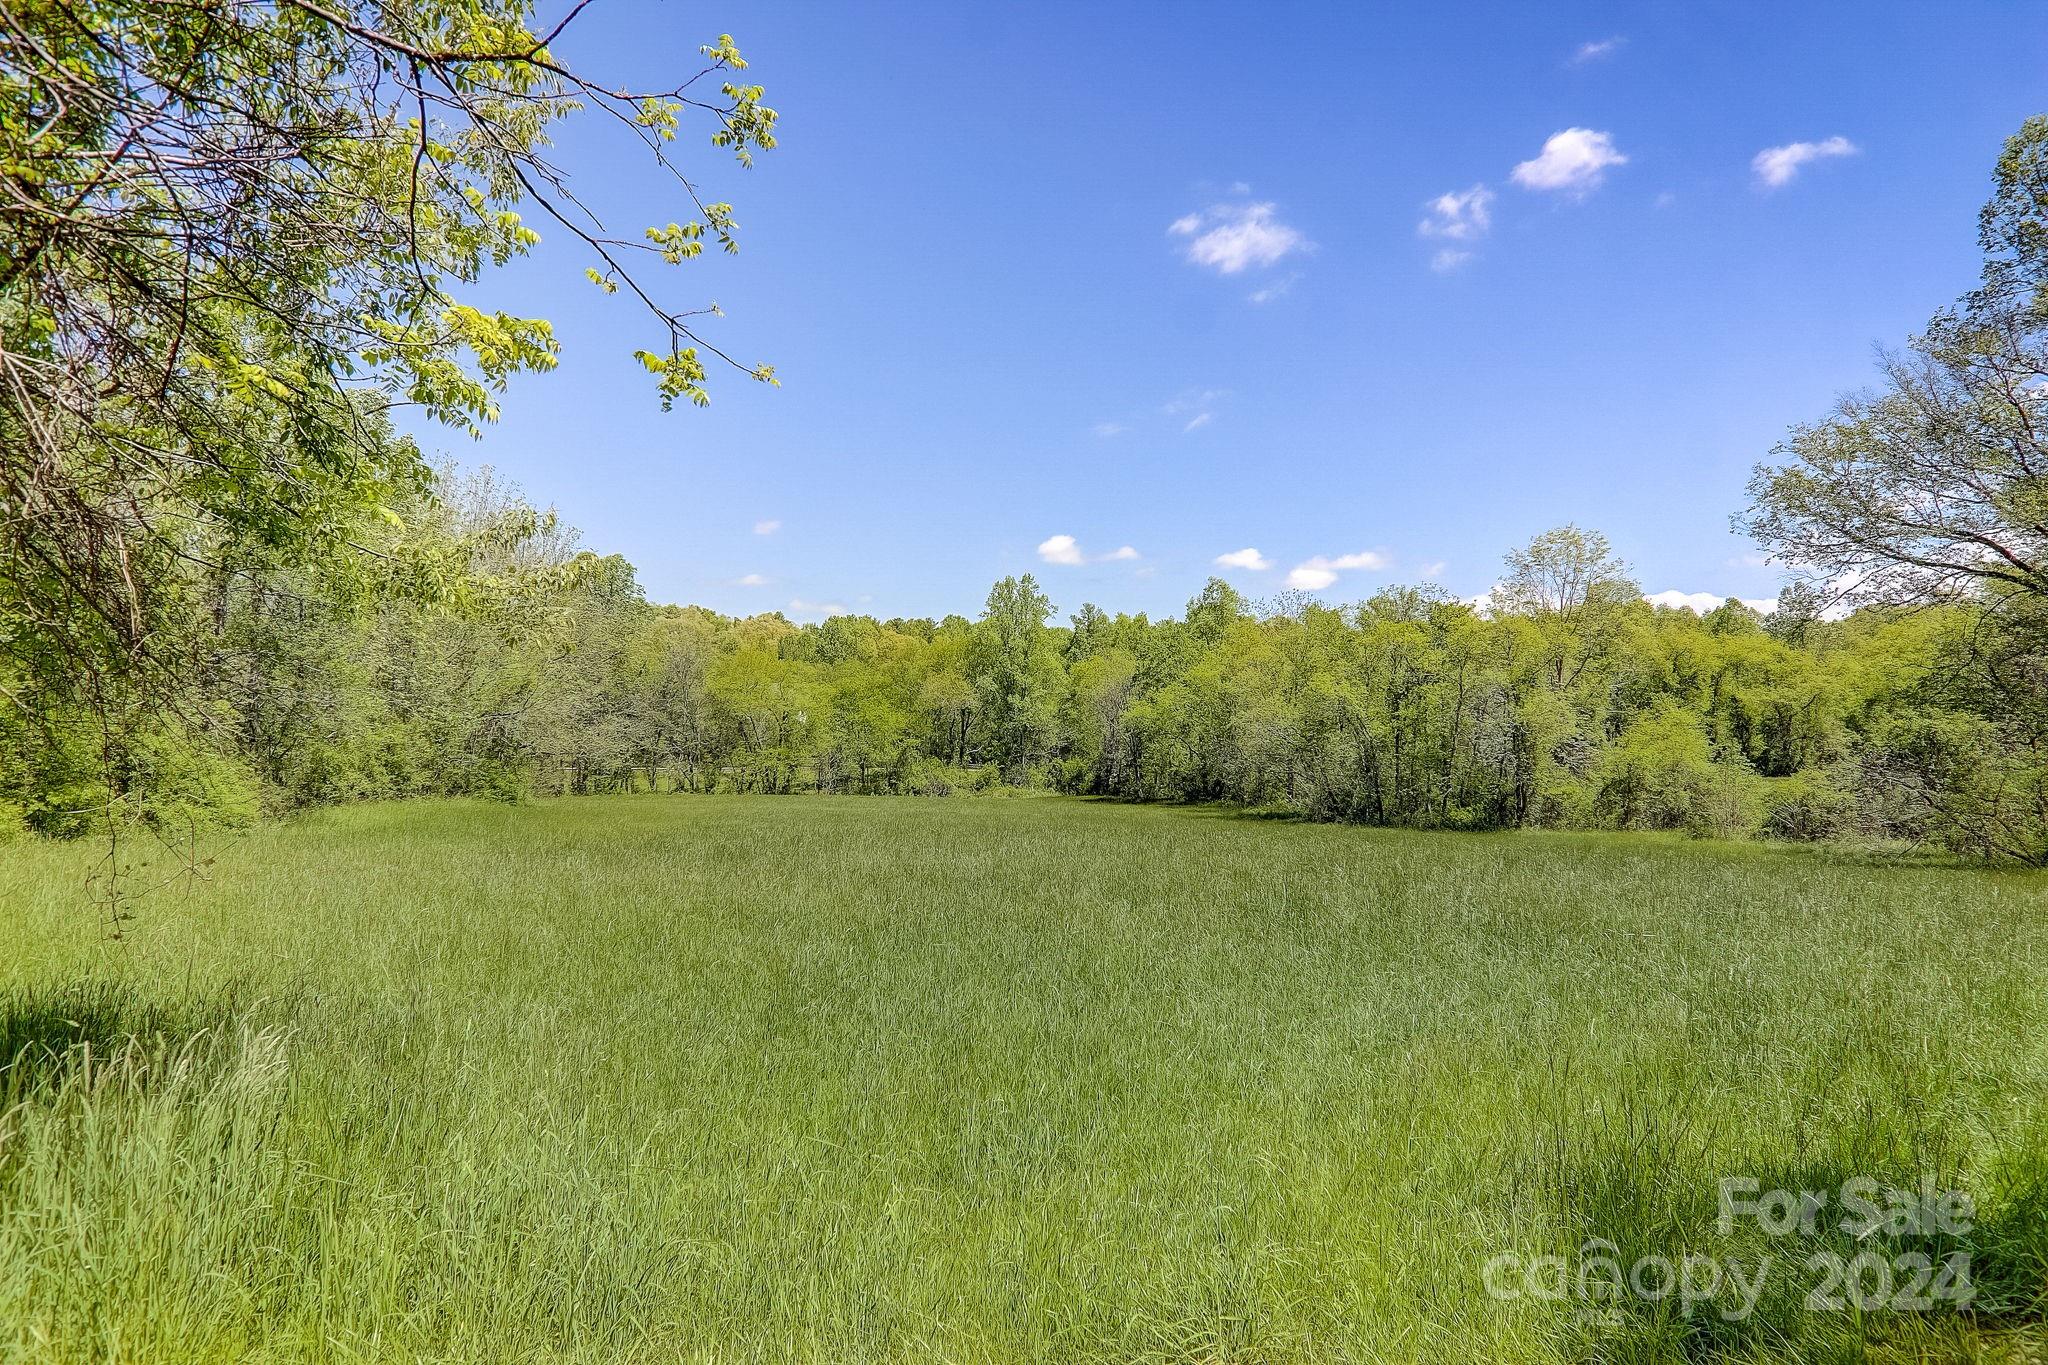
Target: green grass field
x=721 y=1079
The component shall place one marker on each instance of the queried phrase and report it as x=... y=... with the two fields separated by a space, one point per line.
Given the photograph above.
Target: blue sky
x=1185 y=279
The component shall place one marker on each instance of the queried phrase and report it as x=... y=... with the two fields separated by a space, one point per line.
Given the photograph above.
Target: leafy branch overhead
x=234 y=233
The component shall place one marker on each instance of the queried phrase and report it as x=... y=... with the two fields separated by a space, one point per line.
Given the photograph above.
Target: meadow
x=849 y=1079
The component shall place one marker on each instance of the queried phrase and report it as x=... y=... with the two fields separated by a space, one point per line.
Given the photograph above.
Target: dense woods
x=1567 y=702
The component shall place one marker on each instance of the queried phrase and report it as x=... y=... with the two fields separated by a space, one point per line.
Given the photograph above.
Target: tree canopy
x=233 y=235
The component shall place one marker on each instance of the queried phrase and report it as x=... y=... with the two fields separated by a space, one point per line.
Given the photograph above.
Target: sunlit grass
x=665 y=1078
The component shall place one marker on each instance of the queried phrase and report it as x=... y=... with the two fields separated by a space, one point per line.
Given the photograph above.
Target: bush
x=1805 y=808
x=1661 y=774
x=925 y=776
x=178 y=785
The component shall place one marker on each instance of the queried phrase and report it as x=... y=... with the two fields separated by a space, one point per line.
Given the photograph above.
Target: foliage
x=1933 y=488
x=233 y=235
x=1590 y=710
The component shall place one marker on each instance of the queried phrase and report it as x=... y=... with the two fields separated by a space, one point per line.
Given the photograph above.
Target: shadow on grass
x=1642 y=1258
x=48 y=1032
x=1891 y=857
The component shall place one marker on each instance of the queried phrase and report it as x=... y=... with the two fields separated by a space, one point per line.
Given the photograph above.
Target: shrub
x=1807 y=808
x=177 y=784
x=925 y=776
x=1661 y=774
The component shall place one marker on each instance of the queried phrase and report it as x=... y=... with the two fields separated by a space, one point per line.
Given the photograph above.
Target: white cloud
x=1108 y=429
x=803 y=608
x=1595 y=51
x=767 y=527
x=752 y=580
x=1575 y=161
x=1320 y=571
x=1272 y=291
x=1247 y=558
x=1067 y=551
x=1232 y=237
x=1701 y=603
x=1447 y=260
x=1459 y=215
x=1060 y=550
x=1194 y=408
x=1434 y=569
x=1776 y=166
x=1364 y=559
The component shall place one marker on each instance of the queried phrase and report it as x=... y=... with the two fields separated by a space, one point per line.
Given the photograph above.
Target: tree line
x=1568 y=702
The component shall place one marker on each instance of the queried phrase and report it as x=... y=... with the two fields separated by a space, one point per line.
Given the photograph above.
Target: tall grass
x=731 y=1079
